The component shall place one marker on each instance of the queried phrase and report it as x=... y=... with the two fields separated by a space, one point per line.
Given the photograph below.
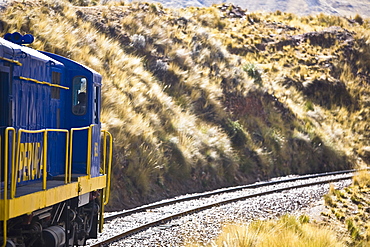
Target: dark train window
x=96 y=104
x=79 y=95
x=55 y=91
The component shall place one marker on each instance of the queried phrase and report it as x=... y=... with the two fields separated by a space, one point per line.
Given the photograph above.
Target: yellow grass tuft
x=362 y=179
x=287 y=231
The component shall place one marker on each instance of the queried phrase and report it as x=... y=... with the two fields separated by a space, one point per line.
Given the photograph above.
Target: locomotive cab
x=82 y=109
x=85 y=84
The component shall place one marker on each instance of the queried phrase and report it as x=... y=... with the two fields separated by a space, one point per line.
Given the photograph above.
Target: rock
x=232 y=11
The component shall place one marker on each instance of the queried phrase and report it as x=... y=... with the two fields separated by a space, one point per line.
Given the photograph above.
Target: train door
x=6 y=68
x=56 y=140
x=4 y=111
x=86 y=112
x=56 y=99
x=97 y=103
x=95 y=159
x=4 y=97
x=79 y=112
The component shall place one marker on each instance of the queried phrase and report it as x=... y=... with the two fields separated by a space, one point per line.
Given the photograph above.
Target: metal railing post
x=6 y=164
x=107 y=170
x=44 y=160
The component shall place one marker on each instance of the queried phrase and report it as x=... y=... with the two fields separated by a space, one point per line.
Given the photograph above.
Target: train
x=55 y=157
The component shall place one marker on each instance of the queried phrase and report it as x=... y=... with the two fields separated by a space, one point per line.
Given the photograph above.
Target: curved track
x=346 y=175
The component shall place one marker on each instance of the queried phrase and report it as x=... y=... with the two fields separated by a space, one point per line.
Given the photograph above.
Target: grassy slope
x=348 y=211
x=299 y=7
x=197 y=100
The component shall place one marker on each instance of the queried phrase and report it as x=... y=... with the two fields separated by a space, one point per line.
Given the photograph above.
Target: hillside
x=198 y=98
x=299 y=7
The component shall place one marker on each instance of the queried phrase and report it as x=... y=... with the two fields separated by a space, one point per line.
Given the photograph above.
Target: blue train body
x=50 y=147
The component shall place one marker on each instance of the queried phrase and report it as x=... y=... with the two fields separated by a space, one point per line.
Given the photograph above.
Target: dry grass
x=362 y=179
x=348 y=210
x=287 y=231
x=344 y=223
x=220 y=100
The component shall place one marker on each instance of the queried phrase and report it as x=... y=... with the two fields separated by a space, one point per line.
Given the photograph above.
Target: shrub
x=253 y=72
x=362 y=179
x=359 y=19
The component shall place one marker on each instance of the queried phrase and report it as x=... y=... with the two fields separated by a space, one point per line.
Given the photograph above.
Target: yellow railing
x=16 y=156
x=89 y=141
x=6 y=163
x=5 y=219
x=14 y=162
x=107 y=169
x=104 y=197
x=42 y=82
x=15 y=167
x=66 y=157
x=11 y=61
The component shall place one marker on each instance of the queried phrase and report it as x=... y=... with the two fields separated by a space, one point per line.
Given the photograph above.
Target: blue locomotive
x=55 y=158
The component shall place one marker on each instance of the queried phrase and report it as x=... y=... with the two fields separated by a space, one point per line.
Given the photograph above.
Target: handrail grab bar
x=6 y=164
x=66 y=166
x=104 y=197
x=107 y=170
x=89 y=140
x=16 y=161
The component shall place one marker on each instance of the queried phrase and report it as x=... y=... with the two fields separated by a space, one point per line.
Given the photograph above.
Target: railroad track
x=332 y=177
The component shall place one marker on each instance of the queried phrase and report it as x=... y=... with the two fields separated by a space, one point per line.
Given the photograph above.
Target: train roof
x=73 y=64
x=11 y=50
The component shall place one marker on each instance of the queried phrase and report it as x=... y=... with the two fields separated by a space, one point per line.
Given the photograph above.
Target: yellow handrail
x=15 y=167
x=44 y=160
x=104 y=197
x=89 y=145
x=16 y=158
x=5 y=219
x=88 y=165
x=109 y=168
x=11 y=61
x=66 y=172
x=6 y=163
x=42 y=82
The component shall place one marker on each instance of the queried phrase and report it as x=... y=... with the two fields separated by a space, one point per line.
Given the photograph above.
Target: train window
x=79 y=95
x=96 y=105
x=55 y=79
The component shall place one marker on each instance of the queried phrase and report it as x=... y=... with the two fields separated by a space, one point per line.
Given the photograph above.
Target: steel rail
x=217 y=192
x=191 y=211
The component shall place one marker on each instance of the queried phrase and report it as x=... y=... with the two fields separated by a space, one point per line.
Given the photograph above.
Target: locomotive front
x=55 y=159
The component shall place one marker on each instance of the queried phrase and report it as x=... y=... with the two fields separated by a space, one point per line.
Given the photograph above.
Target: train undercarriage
x=66 y=224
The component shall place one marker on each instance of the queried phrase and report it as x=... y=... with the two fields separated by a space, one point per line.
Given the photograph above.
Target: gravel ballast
x=205 y=225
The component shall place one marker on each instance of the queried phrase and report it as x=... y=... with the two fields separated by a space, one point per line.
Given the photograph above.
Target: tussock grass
x=286 y=231
x=362 y=179
x=348 y=210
